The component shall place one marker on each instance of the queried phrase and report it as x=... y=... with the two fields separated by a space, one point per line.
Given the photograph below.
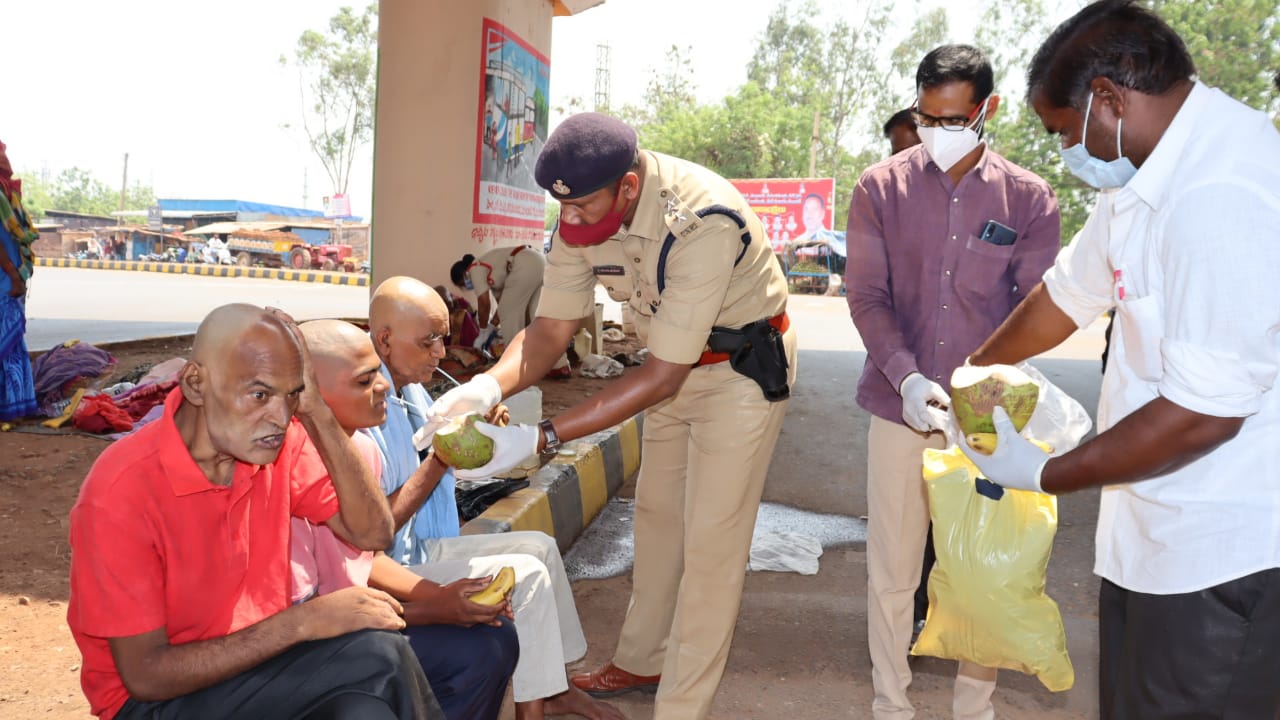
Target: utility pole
x=124 y=184
x=603 y=72
x=813 y=146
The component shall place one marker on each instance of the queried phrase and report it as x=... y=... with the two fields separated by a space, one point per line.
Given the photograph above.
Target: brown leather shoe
x=610 y=680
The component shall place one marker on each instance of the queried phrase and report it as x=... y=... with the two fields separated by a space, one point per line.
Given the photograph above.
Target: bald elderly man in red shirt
x=180 y=576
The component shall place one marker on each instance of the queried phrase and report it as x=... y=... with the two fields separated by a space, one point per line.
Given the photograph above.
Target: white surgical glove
x=1016 y=462
x=511 y=446
x=917 y=392
x=483 y=337
x=477 y=395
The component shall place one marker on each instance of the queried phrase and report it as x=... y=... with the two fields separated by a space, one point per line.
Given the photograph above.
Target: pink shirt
x=321 y=561
x=924 y=289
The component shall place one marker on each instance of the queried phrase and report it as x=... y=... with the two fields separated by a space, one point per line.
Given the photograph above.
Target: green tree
x=77 y=190
x=35 y=193
x=337 y=81
x=1235 y=44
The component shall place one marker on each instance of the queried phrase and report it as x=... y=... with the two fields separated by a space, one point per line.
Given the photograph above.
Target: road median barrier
x=312 y=276
x=567 y=493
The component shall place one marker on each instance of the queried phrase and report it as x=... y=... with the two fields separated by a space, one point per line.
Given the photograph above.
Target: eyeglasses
x=955 y=123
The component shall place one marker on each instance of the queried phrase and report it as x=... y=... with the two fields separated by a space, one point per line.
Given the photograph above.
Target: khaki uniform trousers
x=897 y=525
x=520 y=293
x=705 y=456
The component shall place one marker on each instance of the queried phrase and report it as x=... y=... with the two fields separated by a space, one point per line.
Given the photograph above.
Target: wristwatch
x=551 y=441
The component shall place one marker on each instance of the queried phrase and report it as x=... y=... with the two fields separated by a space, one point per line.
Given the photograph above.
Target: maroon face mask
x=597 y=232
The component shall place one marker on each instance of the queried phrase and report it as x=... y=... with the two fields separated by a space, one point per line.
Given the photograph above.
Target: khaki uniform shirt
x=703 y=287
x=489 y=271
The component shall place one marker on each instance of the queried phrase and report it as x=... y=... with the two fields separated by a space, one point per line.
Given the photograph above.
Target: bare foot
x=575 y=702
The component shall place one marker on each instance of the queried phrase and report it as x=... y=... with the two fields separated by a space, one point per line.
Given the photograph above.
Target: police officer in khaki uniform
x=682 y=248
x=514 y=276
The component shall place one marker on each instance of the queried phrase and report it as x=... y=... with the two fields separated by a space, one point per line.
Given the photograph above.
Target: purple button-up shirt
x=924 y=289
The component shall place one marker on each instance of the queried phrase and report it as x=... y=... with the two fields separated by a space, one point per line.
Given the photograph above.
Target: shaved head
x=241 y=385
x=349 y=372
x=409 y=323
x=334 y=340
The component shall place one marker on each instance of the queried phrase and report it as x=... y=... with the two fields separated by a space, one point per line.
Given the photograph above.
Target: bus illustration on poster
x=511 y=127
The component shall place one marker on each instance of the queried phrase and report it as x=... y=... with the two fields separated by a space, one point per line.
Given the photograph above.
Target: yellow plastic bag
x=986 y=593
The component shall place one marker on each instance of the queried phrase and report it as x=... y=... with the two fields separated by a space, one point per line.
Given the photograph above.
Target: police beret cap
x=586 y=152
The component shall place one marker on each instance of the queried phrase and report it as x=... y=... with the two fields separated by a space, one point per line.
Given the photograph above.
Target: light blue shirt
x=438 y=516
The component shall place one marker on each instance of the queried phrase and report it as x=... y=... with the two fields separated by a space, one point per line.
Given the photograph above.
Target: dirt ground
x=40 y=476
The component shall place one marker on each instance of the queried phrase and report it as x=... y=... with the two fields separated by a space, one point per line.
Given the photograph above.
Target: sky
x=194 y=92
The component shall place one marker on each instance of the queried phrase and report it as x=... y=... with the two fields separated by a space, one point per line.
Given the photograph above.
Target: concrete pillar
x=431 y=86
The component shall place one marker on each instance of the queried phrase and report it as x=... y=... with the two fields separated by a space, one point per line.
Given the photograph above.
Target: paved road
x=101 y=306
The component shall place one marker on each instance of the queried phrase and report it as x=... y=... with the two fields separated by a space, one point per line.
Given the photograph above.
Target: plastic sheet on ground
x=785 y=552
x=599 y=366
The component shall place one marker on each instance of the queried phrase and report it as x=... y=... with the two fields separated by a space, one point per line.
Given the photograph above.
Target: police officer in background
x=513 y=275
x=680 y=245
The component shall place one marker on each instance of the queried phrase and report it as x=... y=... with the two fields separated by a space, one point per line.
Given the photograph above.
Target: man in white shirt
x=1185 y=246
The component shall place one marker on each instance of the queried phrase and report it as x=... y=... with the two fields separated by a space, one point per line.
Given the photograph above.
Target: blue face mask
x=466 y=282
x=1101 y=174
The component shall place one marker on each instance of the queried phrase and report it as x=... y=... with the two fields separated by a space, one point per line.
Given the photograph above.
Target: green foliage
x=1235 y=44
x=76 y=190
x=337 y=80
x=804 y=68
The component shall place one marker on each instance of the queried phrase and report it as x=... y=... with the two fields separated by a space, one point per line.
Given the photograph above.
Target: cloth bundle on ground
x=59 y=372
x=102 y=413
x=99 y=414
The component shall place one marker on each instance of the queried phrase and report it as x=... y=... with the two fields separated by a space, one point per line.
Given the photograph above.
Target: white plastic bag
x=599 y=366
x=785 y=552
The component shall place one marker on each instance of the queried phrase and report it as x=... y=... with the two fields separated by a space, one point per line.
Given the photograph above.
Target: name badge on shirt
x=608 y=270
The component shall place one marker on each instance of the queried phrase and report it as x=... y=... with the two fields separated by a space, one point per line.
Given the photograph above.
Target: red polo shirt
x=155 y=544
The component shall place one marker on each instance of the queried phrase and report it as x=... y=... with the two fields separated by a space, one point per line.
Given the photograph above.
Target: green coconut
x=459 y=444
x=976 y=391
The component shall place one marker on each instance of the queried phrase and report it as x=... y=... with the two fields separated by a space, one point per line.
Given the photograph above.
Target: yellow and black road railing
x=314 y=276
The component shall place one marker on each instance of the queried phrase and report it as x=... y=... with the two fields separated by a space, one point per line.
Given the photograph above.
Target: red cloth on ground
x=99 y=414
x=139 y=401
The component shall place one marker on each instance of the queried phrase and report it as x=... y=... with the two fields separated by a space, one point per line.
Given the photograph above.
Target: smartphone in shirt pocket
x=998 y=234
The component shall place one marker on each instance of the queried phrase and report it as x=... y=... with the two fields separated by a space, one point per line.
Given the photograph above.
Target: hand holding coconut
x=1015 y=463
x=981 y=401
x=511 y=446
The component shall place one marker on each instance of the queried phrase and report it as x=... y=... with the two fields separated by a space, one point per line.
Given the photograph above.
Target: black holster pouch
x=755 y=350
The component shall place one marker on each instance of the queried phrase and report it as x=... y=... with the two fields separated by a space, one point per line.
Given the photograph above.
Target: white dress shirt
x=1188 y=253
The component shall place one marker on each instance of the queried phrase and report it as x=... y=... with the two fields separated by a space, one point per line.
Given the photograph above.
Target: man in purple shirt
x=944 y=238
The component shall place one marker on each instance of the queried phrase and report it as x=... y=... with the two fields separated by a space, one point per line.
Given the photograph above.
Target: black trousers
x=468 y=668
x=1207 y=655
x=922 y=591
x=369 y=675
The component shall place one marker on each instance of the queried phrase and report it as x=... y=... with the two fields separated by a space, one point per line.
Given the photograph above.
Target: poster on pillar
x=511 y=125
x=796 y=212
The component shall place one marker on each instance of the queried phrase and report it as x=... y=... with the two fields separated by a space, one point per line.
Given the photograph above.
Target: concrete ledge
x=568 y=492
x=313 y=276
